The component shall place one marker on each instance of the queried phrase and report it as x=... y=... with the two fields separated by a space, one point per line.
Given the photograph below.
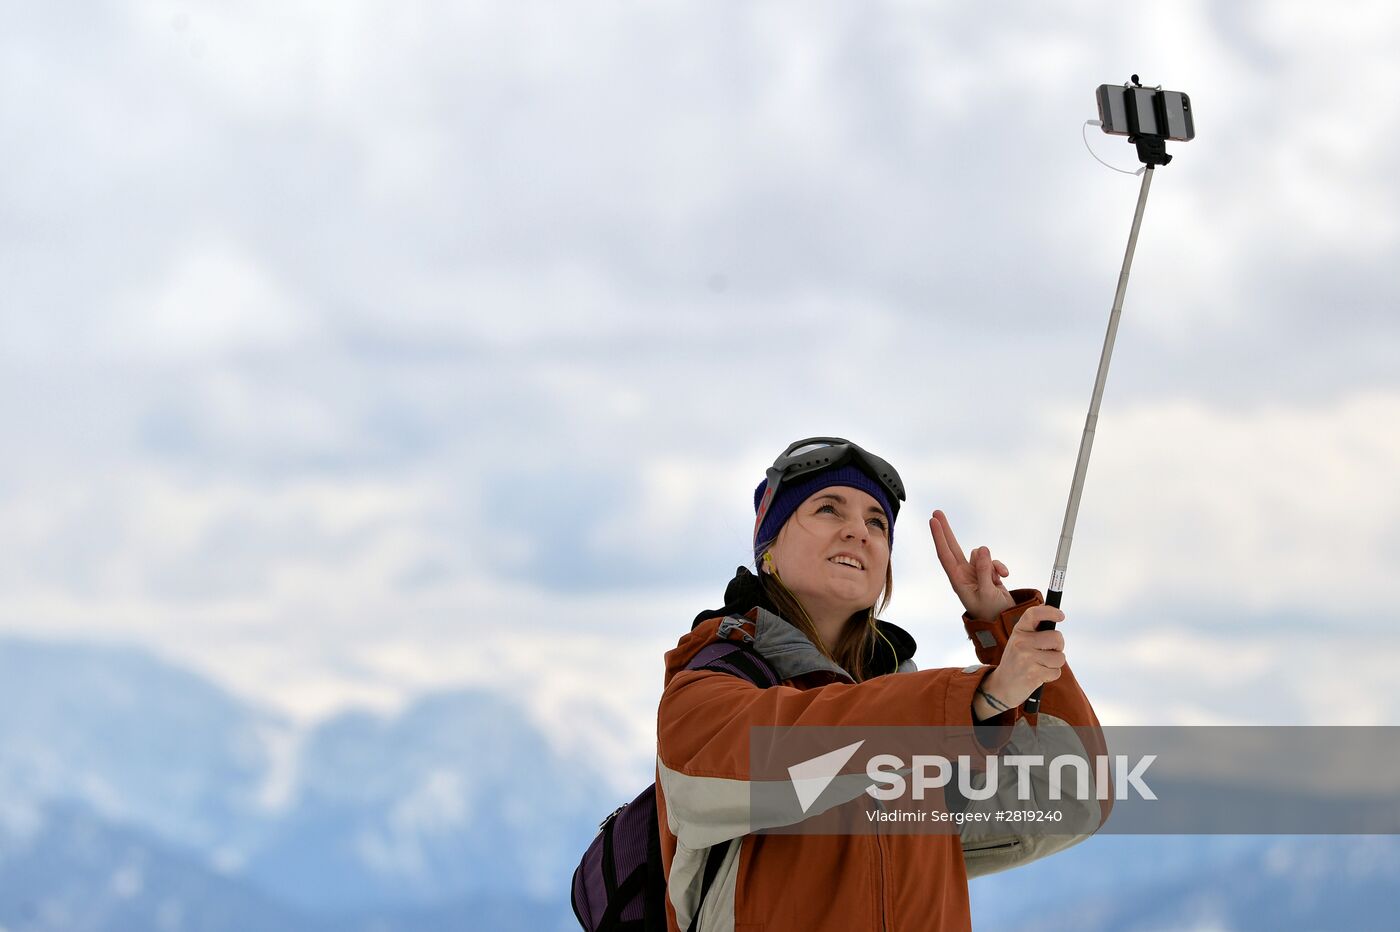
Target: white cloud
x=214 y=299
x=675 y=500
x=1190 y=515
x=284 y=230
x=1280 y=509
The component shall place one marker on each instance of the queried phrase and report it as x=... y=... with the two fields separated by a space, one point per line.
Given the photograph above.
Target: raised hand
x=977 y=583
x=1031 y=659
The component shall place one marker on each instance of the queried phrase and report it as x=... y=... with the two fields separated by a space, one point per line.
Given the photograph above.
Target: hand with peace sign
x=977 y=583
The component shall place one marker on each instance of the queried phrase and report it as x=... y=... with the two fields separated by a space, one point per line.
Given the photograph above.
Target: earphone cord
x=1084 y=132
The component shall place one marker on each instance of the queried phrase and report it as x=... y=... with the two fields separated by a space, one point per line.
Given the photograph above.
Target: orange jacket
x=852 y=882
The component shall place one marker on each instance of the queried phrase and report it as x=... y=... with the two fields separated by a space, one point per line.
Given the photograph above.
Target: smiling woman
x=799 y=644
x=829 y=563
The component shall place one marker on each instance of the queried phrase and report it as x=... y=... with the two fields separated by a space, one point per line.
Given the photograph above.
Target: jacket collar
x=786 y=647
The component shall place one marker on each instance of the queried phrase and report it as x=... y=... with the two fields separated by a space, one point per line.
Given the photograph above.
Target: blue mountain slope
x=121 y=780
x=134 y=738
x=1243 y=883
x=457 y=796
x=457 y=800
x=80 y=873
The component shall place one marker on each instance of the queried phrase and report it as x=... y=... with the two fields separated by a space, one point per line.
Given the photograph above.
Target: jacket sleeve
x=989 y=637
x=1065 y=724
x=705 y=717
x=1062 y=700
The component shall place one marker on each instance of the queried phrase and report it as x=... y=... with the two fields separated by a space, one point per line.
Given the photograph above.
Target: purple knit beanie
x=789 y=497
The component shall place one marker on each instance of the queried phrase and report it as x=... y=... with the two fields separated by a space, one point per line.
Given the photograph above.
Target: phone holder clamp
x=1151 y=150
x=1151 y=147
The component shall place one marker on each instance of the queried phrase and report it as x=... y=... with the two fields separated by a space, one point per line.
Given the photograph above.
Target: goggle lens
x=778 y=473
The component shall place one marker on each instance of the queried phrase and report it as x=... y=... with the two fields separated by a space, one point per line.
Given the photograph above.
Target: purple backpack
x=619 y=885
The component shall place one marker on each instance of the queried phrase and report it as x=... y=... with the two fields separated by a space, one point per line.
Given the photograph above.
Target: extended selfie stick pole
x=1152 y=152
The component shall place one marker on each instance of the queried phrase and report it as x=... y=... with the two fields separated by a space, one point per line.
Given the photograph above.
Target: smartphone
x=1145 y=111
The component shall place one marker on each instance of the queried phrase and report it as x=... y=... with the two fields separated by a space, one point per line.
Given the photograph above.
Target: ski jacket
x=852 y=882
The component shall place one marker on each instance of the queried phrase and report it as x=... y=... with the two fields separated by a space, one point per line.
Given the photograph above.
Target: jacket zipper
x=879 y=845
x=880 y=854
x=992 y=847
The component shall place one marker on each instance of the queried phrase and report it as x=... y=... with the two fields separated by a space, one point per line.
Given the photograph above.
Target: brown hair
x=855 y=648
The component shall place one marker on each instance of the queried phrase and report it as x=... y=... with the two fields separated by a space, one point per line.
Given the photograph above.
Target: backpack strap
x=752 y=667
x=654 y=897
x=712 y=864
x=619 y=895
x=737 y=658
x=741 y=659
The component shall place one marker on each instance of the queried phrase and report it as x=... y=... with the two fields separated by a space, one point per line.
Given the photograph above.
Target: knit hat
x=789 y=497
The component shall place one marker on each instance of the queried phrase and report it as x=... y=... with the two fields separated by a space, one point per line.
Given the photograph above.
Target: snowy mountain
x=134 y=739
x=456 y=807
x=136 y=796
x=75 y=871
x=83 y=874
x=1178 y=882
x=458 y=796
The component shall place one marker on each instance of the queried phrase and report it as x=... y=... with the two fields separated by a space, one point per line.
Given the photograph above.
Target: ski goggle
x=817 y=453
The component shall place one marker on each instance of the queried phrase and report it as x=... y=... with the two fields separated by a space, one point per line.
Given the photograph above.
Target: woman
x=824 y=526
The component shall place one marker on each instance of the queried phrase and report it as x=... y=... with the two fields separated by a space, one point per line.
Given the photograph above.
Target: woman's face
x=835 y=521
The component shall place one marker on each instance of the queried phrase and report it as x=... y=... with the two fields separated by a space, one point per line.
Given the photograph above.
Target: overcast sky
x=352 y=350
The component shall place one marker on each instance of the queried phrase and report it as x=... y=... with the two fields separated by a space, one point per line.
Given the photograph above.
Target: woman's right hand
x=1031 y=658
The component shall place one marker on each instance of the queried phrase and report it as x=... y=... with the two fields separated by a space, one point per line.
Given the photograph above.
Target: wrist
x=986 y=703
x=986 y=614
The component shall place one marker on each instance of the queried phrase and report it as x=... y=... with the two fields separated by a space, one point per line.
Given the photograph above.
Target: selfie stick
x=1152 y=151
